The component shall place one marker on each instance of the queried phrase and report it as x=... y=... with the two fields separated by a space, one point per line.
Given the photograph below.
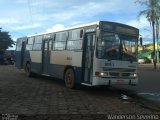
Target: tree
x=157 y=33
x=152 y=14
x=5 y=40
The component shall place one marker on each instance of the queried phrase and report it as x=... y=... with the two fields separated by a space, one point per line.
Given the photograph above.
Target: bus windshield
x=117 y=47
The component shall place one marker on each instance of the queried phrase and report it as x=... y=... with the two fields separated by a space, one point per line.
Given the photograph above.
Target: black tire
x=28 y=70
x=69 y=78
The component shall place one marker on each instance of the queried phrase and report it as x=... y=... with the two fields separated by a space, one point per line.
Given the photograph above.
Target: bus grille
x=119 y=72
x=126 y=74
x=114 y=74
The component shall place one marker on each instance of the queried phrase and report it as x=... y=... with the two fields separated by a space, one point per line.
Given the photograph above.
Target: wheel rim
x=69 y=79
x=27 y=69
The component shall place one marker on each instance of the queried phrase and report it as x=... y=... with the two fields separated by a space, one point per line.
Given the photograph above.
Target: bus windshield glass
x=113 y=46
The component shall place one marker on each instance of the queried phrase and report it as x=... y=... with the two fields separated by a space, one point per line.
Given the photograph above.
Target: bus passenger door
x=23 y=54
x=20 y=53
x=88 y=52
x=45 y=56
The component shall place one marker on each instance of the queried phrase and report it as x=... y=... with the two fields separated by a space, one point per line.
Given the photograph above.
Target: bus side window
x=91 y=41
x=50 y=44
x=60 y=41
x=37 y=43
x=94 y=39
x=75 y=40
x=19 y=45
x=30 y=42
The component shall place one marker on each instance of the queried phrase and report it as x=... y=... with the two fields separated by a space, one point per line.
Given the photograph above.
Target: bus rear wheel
x=69 y=78
x=28 y=70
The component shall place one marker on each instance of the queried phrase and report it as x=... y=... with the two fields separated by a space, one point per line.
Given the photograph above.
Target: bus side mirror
x=141 y=42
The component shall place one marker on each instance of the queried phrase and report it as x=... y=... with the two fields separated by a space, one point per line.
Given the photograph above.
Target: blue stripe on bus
x=54 y=70
x=18 y=59
x=78 y=72
x=57 y=71
x=36 y=67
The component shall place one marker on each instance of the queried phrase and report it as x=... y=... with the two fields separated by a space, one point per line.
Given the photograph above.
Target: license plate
x=120 y=81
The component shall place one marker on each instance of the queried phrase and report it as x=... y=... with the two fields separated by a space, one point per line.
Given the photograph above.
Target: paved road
x=148 y=67
x=42 y=95
x=149 y=83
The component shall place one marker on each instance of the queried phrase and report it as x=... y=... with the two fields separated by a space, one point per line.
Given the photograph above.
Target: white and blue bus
x=99 y=53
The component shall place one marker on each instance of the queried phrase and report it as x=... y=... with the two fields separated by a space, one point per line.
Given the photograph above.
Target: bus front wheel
x=69 y=78
x=28 y=70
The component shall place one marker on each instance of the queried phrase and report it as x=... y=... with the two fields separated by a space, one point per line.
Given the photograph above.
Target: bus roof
x=81 y=26
x=69 y=28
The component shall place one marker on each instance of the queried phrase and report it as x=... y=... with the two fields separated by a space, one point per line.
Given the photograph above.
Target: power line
x=30 y=11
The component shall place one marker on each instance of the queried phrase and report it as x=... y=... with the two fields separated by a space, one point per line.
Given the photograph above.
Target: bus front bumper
x=114 y=81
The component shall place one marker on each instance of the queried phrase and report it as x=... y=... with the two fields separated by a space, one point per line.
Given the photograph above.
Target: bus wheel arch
x=69 y=77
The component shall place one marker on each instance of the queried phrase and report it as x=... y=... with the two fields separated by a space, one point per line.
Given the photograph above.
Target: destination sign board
x=119 y=28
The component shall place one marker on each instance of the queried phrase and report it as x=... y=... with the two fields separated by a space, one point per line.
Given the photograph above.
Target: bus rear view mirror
x=141 y=42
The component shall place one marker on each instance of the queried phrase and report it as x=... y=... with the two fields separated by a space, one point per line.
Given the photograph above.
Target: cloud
x=145 y=28
x=44 y=11
x=76 y=23
x=62 y=10
x=56 y=28
x=141 y=24
x=28 y=15
x=21 y=1
x=90 y=9
x=23 y=27
x=6 y=21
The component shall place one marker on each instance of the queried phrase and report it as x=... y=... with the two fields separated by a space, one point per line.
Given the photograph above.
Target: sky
x=26 y=17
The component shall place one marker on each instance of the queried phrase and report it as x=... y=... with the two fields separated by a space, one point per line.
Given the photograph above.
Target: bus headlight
x=100 y=74
x=134 y=75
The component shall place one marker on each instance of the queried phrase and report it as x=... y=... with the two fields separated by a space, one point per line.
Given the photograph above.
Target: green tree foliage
x=152 y=14
x=5 y=40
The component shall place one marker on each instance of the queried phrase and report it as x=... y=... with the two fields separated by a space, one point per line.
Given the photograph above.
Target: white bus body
x=99 y=53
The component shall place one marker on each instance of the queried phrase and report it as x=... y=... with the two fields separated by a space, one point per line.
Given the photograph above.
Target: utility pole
x=157 y=44
x=154 y=47
x=157 y=50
